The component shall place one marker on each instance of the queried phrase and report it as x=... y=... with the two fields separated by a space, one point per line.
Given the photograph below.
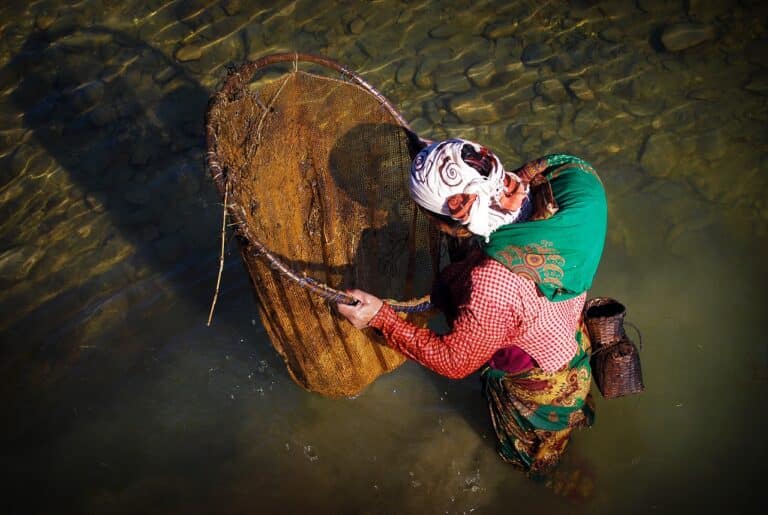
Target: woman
x=514 y=305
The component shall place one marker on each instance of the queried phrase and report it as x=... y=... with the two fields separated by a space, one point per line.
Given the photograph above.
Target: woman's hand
x=361 y=313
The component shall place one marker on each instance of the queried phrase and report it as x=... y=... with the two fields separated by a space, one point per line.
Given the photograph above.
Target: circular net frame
x=316 y=170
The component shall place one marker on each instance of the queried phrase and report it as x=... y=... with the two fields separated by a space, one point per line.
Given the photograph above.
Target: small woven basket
x=604 y=318
x=616 y=370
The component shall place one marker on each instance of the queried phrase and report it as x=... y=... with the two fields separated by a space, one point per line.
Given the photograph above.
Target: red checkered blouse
x=491 y=310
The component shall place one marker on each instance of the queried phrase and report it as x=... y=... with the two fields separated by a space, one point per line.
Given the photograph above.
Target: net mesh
x=317 y=169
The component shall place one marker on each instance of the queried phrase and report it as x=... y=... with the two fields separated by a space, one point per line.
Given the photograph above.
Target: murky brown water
x=117 y=397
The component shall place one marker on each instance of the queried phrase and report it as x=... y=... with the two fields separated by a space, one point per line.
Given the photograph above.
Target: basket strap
x=605 y=347
x=639 y=336
x=600 y=350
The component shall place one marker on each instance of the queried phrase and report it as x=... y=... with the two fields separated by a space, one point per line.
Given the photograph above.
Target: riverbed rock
x=424 y=74
x=44 y=21
x=444 y=31
x=580 y=89
x=658 y=155
x=757 y=52
x=552 y=90
x=164 y=75
x=405 y=72
x=356 y=26
x=471 y=108
x=758 y=83
x=253 y=36
x=232 y=7
x=707 y=10
x=584 y=121
x=16 y=262
x=682 y=36
x=94 y=202
x=102 y=115
x=88 y=95
x=20 y=160
x=500 y=29
x=189 y=53
x=612 y=34
x=447 y=82
x=708 y=94
x=644 y=107
x=481 y=73
x=536 y=54
x=711 y=144
x=138 y=194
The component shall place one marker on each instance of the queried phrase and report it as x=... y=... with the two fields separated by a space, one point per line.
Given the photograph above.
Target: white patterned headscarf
x=458 y=166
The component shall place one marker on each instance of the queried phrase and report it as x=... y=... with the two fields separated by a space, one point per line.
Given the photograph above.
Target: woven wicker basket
x=616 y=370
x=604 y=318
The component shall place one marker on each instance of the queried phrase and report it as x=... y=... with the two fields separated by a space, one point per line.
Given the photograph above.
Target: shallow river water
x=118 y=399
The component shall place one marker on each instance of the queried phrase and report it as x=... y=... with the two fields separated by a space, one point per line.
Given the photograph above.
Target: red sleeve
x=482 y=326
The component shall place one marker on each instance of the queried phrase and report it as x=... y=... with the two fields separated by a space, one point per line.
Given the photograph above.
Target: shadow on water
x=385 y=250
x=123 y=123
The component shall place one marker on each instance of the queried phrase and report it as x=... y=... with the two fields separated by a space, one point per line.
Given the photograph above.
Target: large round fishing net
x=314 y=163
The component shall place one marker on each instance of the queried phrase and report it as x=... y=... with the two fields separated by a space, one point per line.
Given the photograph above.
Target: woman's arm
x=480 y=329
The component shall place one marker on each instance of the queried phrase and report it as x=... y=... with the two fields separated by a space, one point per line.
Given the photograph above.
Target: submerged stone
x=103 y=115
x=16 y=263
x=580 y=90
x=705 y=94
x=20 y=160
x=444 y=31
x=538 y=105
x=231 y=7
x=686 y=35
x=138 y=195
x=711 y=144
x=500 y=29
x=584 y=121
x=253 y=35
x=405 y=72
x=471 y=108
x=643 y=108
x=423 y=77
x=551 y=89
x=44 y=21
x=659 y=154
x=758 y=83
x=189 y=53
x=757 y=52
x=88 y=95
x=612 y=34
x=536 y=54
x=94 y=203
x=455 y=83
x=356 y=26
x=481 y=73
x=707 y=10
x=164 y=75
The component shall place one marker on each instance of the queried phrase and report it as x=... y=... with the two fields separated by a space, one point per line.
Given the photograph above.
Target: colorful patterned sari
x=534 y=412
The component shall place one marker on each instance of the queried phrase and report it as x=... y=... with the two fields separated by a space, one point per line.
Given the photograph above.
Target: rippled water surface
x=118 y=399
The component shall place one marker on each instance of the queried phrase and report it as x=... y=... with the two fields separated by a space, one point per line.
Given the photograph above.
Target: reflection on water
x=119 y=399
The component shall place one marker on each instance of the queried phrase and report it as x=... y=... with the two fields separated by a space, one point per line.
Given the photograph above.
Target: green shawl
x=561 y=253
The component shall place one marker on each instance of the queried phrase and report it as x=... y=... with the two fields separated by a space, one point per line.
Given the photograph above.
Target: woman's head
x=466 y=183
